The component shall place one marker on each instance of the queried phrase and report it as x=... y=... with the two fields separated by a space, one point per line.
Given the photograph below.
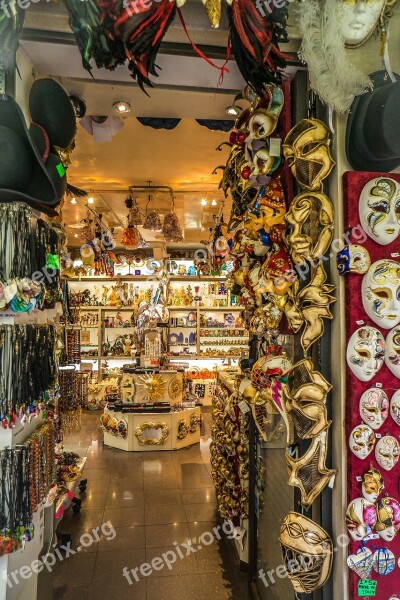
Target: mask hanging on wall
x=388 y=522
x=360 y=518
x=374 y=407
x=379 y=210
x=392 y=351
x=372 y=485
x=358 y=19
x=381 y=293
x=362 y=441
x=366 y=352
x=353 y=259
x=395 y=407
x=387 y=452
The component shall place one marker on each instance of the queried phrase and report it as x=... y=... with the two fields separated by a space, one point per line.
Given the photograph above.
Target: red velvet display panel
x=353 y=183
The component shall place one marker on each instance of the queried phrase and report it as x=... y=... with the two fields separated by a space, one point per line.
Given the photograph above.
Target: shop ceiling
x=187 y=88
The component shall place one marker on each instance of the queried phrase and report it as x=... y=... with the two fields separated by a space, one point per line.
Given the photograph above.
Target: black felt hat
x=24 y=176
x=373 y=127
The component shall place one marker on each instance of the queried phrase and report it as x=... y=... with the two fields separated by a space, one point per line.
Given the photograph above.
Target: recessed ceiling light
x=73 y=201
x=76 y=235
x=214 y=203
x=90 y=200
x=122 y=107
x=233 y=110
x=203 y=202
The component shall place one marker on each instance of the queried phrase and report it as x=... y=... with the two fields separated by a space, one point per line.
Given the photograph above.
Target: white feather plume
x=332 y=76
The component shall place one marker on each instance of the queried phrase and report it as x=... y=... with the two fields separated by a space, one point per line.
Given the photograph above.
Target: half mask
x=310 y=226
x=387 y=452
x=374 y=407
x=353 y=259
x=372 y=485
x=360 y=518
x=395 y=407
x=366 y=352
x=307 y=152
x=362 y=441
x=388 y=521
x=379 y=209
x=381 y=293
x=307 y=552
x=392 y=351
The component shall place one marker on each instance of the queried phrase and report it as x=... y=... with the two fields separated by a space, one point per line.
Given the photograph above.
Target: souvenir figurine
x=395 y=407
x=392 y=351
x=388 y=518
x=381 y=293
x=360 y=518
x=374 y=407
x=365 y=352
x=379 y=210
x=353 y=259
x=372 y=485
x=362 y=441
x=387 y=452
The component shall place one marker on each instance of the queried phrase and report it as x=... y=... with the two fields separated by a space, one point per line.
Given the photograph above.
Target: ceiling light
x=214 y=203
x=233 y=110
x=203 y=202
x=73 y=201
x=76 y=235
x=90 y=200
x=121 y=107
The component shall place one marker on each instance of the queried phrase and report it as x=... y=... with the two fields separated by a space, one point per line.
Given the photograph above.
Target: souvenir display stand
x=155 y=431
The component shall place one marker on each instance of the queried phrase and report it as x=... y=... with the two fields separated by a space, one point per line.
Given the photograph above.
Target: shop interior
x=199 y=377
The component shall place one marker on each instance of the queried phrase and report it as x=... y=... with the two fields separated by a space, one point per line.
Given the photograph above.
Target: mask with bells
x=307 y=152
x=353 y=259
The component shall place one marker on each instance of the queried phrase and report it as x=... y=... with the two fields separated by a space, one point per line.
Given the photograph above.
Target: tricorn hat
x=373 y=127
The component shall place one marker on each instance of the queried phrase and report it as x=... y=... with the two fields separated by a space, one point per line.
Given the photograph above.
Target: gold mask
x=310 y=226
x=306 y=149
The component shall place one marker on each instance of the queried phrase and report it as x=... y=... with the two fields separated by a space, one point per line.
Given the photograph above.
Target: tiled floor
x=154 y=501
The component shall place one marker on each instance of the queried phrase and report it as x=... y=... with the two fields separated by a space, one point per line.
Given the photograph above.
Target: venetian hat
x=373 y=127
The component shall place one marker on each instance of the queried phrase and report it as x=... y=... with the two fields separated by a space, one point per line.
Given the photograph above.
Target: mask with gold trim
x=388 y=522
x=309 y=547
x=360 y=518
x=372 y=485
x=307 y=152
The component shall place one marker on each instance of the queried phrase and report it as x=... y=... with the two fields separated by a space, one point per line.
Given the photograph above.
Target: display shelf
x=65 y=500
x=149 y=278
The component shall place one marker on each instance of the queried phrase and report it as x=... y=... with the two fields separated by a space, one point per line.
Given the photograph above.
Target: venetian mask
x=360 y=518
x=388 y=522
x=358 y=19
x=362 y=441
x=305 y=543
x=306 y=149
x=395 y=407
x=392 y=351
x=379 y=210
x=353 y=259
x=264 y=117
x=372 y=485
x=381 y=293
x=366 y=352
x=310 y=226
x=268 y=368
x=264 y=164
x=272 y=204
x=374 y=407
x=387 y=452
x=278 y=272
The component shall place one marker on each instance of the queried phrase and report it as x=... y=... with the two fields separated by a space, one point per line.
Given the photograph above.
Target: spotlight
x=90 y=200
x=76 y=235
x=203 y=202
x=214 y=203
x=122 y=107
x=233 y=110
x=73 y=201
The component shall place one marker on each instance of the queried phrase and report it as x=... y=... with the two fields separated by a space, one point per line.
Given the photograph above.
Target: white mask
x=381 y=293
x=360 y=518
x=392 y=351
x=366 y=352
x=362 y=441
x=374 y=407
x=379 y=210
x=387 y=452
x=359 y=19
x=395 y=407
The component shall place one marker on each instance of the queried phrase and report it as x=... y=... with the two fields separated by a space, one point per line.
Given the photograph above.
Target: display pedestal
x=163 y=421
